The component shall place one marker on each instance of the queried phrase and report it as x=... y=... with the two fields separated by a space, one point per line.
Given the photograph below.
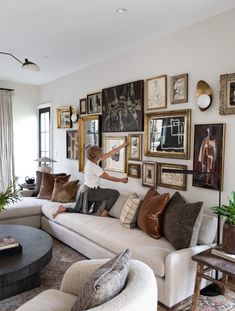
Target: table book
x=9 y=245
x=218 y=251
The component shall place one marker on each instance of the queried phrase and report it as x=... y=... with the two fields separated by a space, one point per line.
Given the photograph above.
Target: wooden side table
x=206 y=262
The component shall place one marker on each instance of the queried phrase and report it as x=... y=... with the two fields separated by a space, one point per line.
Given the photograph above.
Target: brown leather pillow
x=150 y=214
x=64 y=191
x=47 y=185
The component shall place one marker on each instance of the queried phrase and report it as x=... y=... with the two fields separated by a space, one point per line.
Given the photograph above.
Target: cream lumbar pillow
x=130 y=211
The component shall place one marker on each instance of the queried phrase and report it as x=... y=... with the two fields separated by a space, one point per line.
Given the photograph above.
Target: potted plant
x=11 y=195
x=228 y=213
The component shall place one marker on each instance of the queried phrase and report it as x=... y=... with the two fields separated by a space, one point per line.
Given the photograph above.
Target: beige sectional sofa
x=100 y=237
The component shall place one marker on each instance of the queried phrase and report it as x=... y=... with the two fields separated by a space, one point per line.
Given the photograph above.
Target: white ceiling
x=63 y=36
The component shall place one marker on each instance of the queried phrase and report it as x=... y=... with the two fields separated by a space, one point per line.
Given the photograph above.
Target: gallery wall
x=204 y=51
x=24 y=100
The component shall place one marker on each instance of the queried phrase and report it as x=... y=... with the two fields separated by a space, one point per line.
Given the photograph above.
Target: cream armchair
x=140 y=292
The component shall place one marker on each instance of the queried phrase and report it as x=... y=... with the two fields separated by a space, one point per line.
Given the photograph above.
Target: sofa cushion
x=105 y=283
x=109 y=233
x=207 y=230
x=47 y=185
x=149 y=218
x=116 y=209
x=130 y=211
x=64 y=191
x=181 y=222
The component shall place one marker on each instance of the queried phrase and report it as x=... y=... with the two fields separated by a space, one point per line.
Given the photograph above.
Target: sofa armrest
x=181 y=271
x=26 y=193
x=77 y=275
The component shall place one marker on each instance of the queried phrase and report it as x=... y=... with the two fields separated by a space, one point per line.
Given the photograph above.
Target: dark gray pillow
x=181 y=222
x=105 y=283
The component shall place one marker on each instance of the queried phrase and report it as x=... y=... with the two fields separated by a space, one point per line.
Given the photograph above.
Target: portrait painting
x=208 y=156
x=156 y=93
x=227 y=94
x=171 y=180
x=117 y=162
x=149 y=174
x=179 y=89
x=72 y=145
x=134 y=170
x=167 y=134
x=122 y=107
x=94 y=103
x=83 y=106
x=64 y=117
x=135 y=147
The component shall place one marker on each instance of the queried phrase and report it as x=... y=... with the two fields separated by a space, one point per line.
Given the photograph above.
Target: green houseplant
x=228 y=213
x=11 y=195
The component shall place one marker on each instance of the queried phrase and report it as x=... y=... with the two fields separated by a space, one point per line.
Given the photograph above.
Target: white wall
x=25 y=99
x=204 y=51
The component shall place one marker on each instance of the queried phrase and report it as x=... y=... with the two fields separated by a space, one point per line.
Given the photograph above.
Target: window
x=44 y=132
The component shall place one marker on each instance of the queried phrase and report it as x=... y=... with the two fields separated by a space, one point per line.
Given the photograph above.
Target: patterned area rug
x=64 y=256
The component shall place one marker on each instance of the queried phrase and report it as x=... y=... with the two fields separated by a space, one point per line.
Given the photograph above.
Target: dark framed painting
x=171 y=180
x=134 y=170
x=208 y=157
x=123 y=107
x=149 y=174
x=94 y=103
x=179 y=89
x=64 y=117
x=83 y=106
x=227 y=94
x=167 y=134
x=89 y=134
x=72 y=145
x=134 y=147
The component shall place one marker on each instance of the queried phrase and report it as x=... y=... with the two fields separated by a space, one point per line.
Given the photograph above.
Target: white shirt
x=92 y=174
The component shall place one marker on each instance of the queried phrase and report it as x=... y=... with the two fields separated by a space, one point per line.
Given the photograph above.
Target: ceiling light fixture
x=121 y=11
x=27 y=65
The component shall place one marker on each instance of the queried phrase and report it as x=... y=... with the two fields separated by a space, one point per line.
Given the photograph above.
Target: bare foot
x=61 y=209
x=104 y=214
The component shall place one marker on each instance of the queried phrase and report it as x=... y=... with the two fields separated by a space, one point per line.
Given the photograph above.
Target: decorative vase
x=228 y=239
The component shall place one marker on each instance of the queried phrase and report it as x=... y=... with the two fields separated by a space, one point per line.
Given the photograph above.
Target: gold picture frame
x=227 y=94
x=168 y=134
x=171 y=180
x=117 y=162
x=135 y=147
x=156 y=93
x=149 y=174
x=64 y=117
x=179 y=89
x=134 y=170
x=89 y=133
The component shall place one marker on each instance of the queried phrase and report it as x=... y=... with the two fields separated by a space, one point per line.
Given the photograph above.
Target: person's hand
x=124 y=180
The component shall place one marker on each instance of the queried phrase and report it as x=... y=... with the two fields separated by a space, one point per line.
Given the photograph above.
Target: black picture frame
x=72 y=144
x=94 y=103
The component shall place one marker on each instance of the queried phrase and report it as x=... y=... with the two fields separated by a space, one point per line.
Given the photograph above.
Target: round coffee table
x=21 y=271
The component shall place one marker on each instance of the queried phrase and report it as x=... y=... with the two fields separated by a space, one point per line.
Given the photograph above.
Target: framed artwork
x=208 y=157
x=117 y=162
x=72 y=145
x=156 y=93
x=135 y=147
x=227 y=94
x=179 y=89
x=134 y=170
x=83 y=106
x=89 y=134
x=149 y=174
x=94 y=103
x=123 y=107
x=167 y=134
x=64 y=117
x=171 y=180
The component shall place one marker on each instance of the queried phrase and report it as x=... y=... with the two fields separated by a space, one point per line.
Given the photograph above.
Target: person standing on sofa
x=90 y=192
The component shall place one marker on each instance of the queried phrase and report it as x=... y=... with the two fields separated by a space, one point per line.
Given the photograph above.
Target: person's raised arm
x=113 y=151
x=112 y=178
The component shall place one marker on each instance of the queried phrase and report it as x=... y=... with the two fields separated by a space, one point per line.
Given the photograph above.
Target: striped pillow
x=130 y=211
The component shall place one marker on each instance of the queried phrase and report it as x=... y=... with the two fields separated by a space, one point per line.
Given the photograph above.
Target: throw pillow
x=116 y=209
x=105 y=283
x=181 y=222
x=47 y=185
x=150 y=214
x=130 y=210
x=208 y=229
x=64 y=191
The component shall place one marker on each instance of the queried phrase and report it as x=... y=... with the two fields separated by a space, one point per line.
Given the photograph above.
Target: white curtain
x=6 y=140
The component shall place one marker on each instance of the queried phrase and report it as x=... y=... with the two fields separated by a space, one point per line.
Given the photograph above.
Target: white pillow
x=207 y=230
x=130 y=211
x=118 y=205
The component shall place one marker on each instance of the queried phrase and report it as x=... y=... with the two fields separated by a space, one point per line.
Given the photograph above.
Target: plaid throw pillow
x=130 y=211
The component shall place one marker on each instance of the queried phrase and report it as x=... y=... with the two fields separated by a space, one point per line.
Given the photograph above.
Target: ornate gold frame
x=171 y=166
x=147 y=92
x=186 y=113
x=139 y=147
x=224 y=94
x=59 y=112
x=124 y=167
x=153 y=164
x=185 y=99
x=138 y=168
